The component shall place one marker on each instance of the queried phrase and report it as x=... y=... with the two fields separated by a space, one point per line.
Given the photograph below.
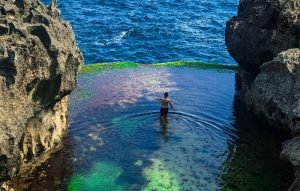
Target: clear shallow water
x=133 y=133
x=150 y=31
x=116 y=140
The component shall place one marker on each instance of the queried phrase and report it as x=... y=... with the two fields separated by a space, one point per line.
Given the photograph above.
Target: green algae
x=103 y=176
x=196 y=64
x=159 y=178
x=92 y=68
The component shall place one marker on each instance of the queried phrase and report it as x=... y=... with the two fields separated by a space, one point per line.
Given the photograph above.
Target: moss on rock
x=196 y=64
x=91 y=68
x=160 y=179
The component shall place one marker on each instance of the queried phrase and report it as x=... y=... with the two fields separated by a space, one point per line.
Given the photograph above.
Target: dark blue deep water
x=150 y=31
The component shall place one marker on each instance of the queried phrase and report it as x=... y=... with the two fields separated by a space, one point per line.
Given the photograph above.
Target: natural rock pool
x=116 y=140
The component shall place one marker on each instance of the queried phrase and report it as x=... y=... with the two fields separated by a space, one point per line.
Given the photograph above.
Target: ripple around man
x=189 y=149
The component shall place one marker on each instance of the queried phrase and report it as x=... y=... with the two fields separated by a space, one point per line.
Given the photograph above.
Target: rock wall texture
x=39 y=60
x=291 y=152
x=275 y=92
x=264 y=39
x=261 y=30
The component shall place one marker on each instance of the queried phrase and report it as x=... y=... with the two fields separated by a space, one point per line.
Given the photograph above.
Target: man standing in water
x=164 y=106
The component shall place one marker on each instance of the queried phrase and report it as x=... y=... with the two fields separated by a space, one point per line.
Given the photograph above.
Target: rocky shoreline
x=264 y=39
x=39 y=64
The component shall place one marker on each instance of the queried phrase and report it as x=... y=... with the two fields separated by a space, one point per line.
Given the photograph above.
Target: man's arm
x=159 y=99
x=171 y=105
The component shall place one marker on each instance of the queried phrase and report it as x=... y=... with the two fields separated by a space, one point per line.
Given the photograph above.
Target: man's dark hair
x=166 y=94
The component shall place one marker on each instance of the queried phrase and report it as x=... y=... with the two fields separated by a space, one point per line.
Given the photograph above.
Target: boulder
x=275 y=93
x=261 y=30
x=39 y=61
x=275 y=97
x=264 y=39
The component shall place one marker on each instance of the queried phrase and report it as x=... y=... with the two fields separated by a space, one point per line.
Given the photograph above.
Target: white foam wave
x=192 y=27
x=116 y=39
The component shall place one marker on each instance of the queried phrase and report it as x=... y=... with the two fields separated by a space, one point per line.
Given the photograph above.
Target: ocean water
x=150 y=31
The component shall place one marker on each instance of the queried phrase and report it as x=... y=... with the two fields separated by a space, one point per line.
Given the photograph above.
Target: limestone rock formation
x=39 y=60
x=261 y=30
x=264 y=39
x=275 y=94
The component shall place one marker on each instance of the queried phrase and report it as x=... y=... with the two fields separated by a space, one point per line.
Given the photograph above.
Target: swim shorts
x=164 y=111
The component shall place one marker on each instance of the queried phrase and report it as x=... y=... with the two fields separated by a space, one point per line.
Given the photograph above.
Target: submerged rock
x=261 y=30
x=160 y=178
x=39 y=60
x=103 y=176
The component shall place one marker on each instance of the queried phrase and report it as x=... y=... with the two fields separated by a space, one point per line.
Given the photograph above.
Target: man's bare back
x=165 y=102
x=164 y=105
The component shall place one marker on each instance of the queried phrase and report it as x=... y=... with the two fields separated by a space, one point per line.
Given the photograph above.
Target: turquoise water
x=116 y=140
x=122 y=117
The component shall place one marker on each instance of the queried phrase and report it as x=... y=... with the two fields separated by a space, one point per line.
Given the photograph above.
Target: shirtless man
x=164 y=105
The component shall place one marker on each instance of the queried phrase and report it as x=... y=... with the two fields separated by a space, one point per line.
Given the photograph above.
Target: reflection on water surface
x=116 y=140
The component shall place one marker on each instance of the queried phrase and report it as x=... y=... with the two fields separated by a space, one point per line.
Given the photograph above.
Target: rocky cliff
x=261 y=30
x=276 y=91
x=264 y=39
x=39 y=60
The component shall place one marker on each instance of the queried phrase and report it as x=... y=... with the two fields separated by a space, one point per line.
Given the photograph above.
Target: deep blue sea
x=150 y=31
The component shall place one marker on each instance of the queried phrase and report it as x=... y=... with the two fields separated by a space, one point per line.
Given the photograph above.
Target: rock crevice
x=261 y=30
x=39 y=61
